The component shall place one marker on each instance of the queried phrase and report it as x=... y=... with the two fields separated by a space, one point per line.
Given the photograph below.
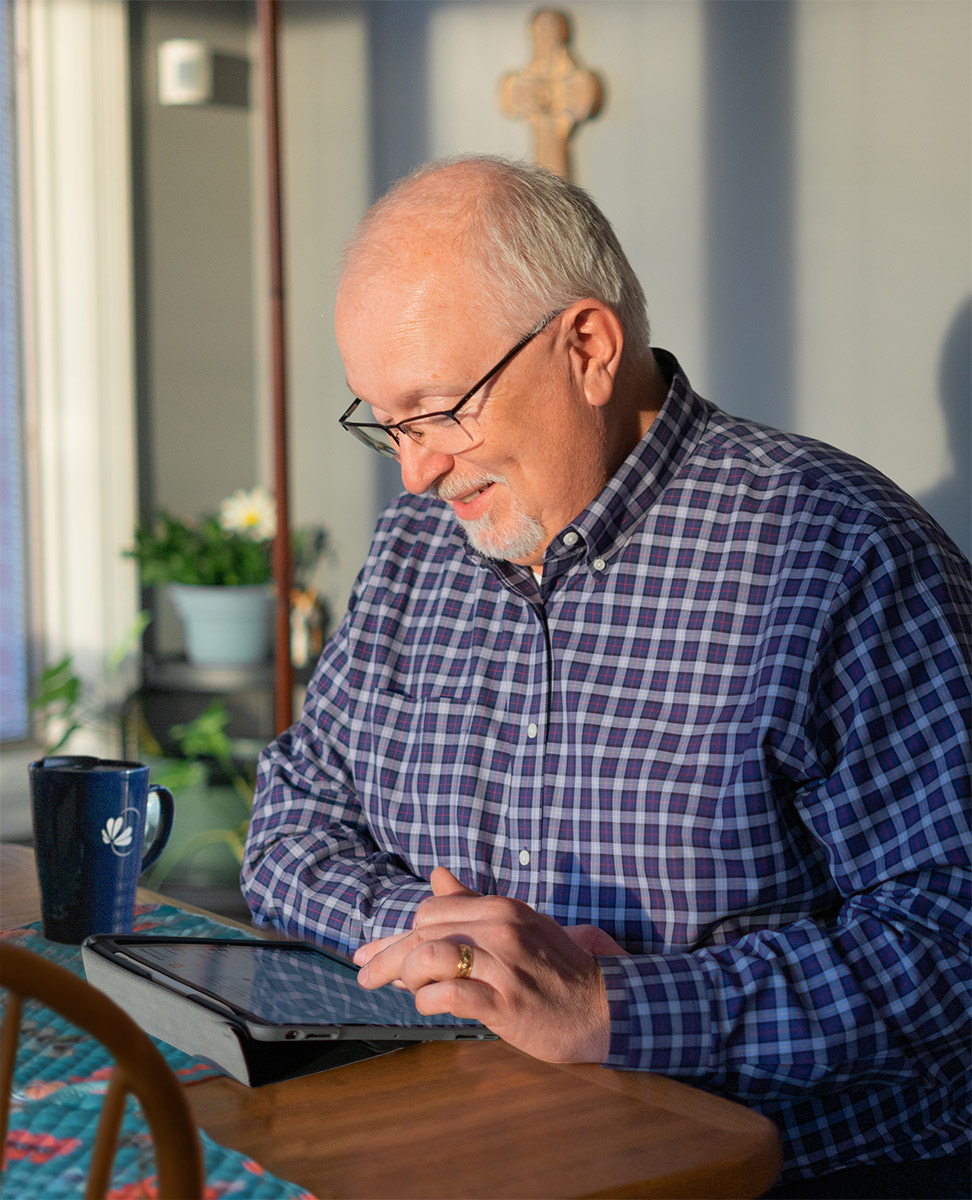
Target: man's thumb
x=444 y=883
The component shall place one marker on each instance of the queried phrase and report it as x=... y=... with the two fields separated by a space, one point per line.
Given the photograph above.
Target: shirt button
x=532 y=730
x=525 y=858
x=598 y=564
x=570 y=538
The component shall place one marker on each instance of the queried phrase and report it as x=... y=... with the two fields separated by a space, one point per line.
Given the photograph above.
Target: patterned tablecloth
x=60 y=1077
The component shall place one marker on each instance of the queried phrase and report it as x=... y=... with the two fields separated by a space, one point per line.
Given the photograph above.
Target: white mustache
x=453 y=488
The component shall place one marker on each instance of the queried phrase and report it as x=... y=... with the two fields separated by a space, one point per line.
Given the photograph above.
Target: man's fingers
x=382 y=964
x=442 y=960
x=426 y=954
x=465 y=998
x=365 y=953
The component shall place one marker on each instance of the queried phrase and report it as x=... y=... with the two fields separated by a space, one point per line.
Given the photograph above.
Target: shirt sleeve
x=311 y=867
x=881 y=992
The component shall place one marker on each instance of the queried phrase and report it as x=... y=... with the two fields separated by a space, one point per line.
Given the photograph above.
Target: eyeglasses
x=444 y=432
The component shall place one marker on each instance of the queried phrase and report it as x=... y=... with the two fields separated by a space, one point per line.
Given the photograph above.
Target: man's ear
x=595 y=342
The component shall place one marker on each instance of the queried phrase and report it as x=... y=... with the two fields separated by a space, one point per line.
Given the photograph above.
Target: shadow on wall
x=950 y=502
x=749 y=219
x=398 y=39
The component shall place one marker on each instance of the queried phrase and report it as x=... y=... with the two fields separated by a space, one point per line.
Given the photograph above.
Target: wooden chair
x=139 y=1069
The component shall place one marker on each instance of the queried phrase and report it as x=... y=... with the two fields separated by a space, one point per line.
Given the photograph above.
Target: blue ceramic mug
x=90 y=817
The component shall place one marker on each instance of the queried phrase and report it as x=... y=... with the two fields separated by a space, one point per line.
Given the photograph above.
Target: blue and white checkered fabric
x=730 y=726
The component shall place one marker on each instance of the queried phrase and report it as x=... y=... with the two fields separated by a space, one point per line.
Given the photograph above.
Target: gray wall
x=194 y=228
x=194 y=250
x=791 y=181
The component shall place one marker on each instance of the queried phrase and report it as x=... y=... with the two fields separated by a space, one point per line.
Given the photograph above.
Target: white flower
x=252 y=513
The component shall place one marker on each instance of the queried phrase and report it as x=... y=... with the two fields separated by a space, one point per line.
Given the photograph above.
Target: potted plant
x=218 y=573
x=214 y=795
x=213 y=791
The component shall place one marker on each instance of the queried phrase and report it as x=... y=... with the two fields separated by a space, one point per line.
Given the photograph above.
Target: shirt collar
x=603 y=528
x=608 y=521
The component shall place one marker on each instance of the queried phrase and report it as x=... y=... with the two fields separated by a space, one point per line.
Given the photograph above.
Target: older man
x=644 y=739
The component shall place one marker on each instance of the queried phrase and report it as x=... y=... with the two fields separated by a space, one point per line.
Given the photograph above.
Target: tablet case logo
x=118 y=836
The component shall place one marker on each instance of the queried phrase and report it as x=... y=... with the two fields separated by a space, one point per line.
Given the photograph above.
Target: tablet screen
x=293 y=984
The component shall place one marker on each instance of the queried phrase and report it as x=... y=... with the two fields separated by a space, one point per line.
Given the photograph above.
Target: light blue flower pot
x=225 y=626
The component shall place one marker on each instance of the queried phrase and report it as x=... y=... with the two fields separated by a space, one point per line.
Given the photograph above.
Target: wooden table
x=450 y=1119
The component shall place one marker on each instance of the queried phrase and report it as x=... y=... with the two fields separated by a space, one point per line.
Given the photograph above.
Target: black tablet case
x=214 y=1037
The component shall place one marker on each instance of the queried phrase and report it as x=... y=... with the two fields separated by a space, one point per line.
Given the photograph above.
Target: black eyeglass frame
x=358 y=428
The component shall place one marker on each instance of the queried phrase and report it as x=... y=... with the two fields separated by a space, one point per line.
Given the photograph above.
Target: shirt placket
x=529 y=722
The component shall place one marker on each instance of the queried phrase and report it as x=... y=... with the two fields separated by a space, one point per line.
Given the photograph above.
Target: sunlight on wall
x=883 y=195
x=327 y=189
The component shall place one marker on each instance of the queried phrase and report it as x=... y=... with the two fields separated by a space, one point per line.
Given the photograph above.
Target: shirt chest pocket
x=429 y=758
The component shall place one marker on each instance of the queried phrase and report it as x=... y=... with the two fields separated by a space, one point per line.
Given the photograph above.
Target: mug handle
x=164 y=827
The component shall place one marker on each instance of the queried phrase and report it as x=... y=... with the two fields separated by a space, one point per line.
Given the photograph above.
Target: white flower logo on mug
x=118 y=835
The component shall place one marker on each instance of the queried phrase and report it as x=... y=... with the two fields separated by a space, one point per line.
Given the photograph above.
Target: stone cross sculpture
x=553 y=93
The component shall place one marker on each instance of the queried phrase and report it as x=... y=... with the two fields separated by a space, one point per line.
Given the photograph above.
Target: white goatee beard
x=522 y=540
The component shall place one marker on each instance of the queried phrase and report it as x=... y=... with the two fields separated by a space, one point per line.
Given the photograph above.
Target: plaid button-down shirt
x=729 y=725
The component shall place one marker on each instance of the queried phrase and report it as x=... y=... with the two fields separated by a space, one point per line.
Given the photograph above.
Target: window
x=14 y=714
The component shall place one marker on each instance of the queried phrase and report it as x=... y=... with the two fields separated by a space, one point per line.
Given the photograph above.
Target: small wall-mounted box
x=185 y=72
x=191 y=72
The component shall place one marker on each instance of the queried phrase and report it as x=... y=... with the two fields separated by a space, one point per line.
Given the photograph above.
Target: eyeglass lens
x=446 y=433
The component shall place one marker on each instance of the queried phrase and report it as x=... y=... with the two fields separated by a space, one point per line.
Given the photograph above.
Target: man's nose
x=420 y=466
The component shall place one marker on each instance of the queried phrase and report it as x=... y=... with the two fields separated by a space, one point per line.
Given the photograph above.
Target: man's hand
x=532 y=982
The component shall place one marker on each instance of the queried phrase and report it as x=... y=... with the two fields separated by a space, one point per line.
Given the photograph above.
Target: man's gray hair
x=538 y=242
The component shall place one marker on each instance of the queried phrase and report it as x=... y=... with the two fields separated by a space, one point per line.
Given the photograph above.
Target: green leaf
x=179 y=776
x=64 y=738
x=179 y=550
x=130 y=641
x=58 y=687
x=205 y=734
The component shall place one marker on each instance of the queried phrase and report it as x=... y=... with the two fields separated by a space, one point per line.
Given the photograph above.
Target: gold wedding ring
x=464 y=965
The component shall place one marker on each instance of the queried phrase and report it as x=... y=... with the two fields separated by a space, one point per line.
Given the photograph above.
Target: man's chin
x=522 y=544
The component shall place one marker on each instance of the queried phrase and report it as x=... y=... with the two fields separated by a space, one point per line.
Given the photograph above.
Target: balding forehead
x=402 y=253
x=423 y=216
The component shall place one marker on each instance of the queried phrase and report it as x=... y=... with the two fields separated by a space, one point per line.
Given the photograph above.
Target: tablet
x=280 y=990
